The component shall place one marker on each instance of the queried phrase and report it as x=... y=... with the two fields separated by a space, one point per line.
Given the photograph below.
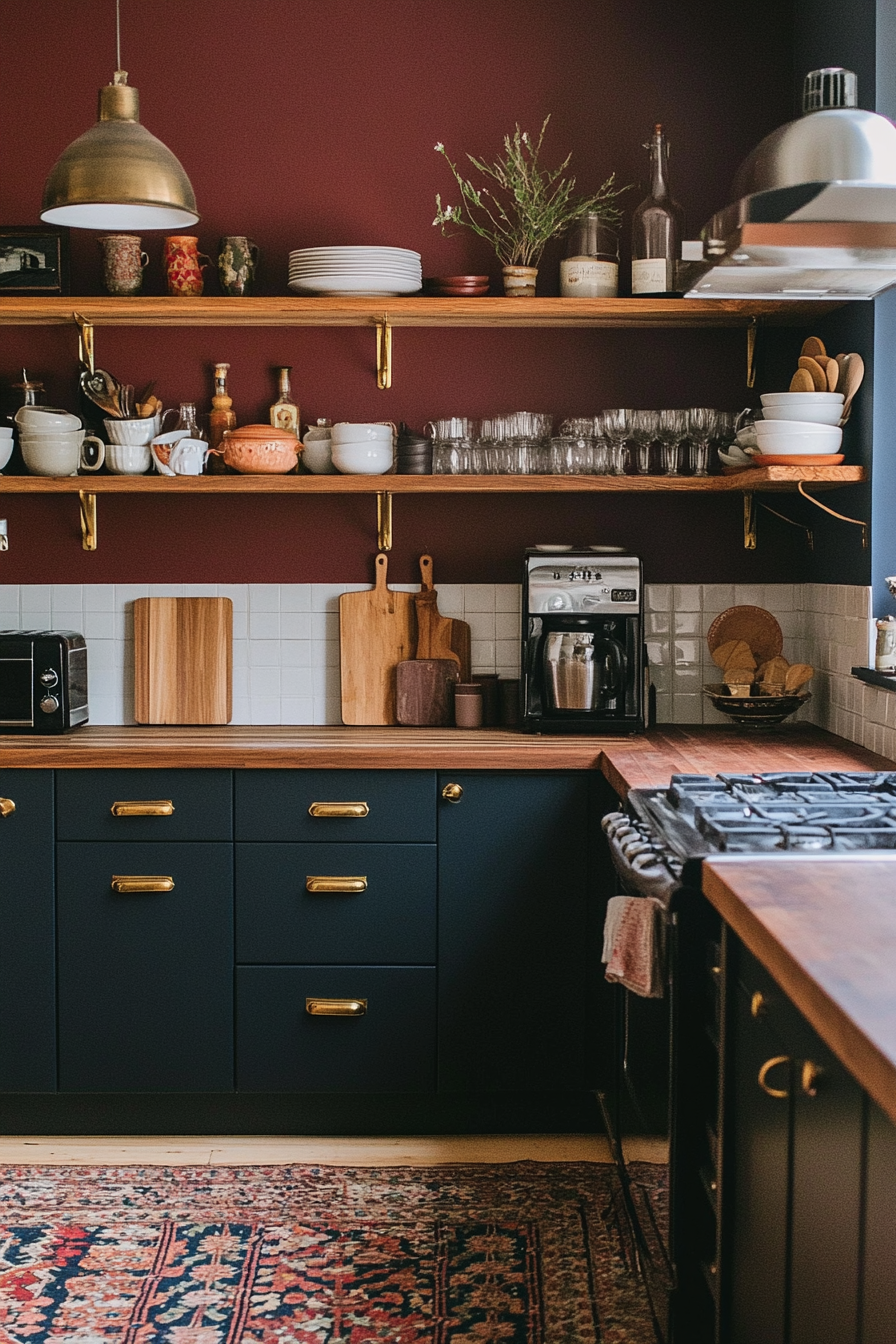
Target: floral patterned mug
x=184 y=265
x=123 y=263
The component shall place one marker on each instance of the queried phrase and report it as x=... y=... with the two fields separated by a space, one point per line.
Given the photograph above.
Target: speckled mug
x=123 y=263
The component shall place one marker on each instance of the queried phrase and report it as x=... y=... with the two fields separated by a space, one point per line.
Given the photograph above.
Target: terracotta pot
x=519 y=281
x=259 y=449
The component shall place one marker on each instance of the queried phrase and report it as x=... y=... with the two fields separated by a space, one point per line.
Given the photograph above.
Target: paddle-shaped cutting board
x=440 y=636
x=377 y=631
x=183 y=659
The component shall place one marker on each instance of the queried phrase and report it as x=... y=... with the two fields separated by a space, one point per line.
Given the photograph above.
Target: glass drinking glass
x=600 y=455
x=615 y=426
x=644 y=431
x=701 y=427
x=671 y=430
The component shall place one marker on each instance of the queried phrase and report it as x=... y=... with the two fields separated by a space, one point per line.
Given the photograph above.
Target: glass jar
x=590 y=269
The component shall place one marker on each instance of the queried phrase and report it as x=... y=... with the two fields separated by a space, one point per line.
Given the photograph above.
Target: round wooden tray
x=754 y=625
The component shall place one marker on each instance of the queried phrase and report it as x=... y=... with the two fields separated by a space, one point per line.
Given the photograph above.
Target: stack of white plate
x=355 y=270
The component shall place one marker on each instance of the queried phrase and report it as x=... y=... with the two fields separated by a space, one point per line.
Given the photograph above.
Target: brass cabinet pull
x=452 y=793
x=766 y=1070
x=160 y=807
x=130 y=884
x=326 y=884
x=809 y=1078
x=7 y=807
x=336 y=1007
x=758 y=1005
x=338 y=810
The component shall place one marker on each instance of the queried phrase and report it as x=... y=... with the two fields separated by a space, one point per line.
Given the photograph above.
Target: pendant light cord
x=118 y=34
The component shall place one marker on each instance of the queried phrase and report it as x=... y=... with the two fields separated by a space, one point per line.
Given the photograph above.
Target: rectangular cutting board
x=183 y=659
x=377 y=631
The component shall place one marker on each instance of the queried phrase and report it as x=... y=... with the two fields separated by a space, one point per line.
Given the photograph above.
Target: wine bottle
x=285 y=412
x=657 y=227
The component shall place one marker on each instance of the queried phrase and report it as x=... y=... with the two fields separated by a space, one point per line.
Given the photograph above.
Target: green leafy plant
x=523 y=205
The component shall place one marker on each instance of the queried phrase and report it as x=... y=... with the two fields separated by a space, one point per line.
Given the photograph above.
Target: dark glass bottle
x=657 y=227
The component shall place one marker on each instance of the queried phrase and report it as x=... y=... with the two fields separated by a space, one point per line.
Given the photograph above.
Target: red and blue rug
x=520 y=1253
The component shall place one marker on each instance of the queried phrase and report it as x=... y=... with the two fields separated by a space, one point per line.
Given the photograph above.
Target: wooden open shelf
x=756 y=478
x=415 y=311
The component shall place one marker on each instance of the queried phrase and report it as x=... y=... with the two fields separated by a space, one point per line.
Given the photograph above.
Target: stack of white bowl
x=355 y=270
x=54 y=442
x=5 y=445
x=800 y=424
x=362 y=450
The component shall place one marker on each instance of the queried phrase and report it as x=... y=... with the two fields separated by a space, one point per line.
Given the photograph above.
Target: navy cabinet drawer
x=399 y=805
x=392 y=920
x=202 y=802
x=281 y=1047
x=145 y=977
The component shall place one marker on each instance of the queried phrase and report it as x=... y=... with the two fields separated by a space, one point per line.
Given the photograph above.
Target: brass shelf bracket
x=85 y=342
x=87 y=502
x=749 y=521
x=857 y=522
x=383 y=353
x=752 y=330
x=384 y=520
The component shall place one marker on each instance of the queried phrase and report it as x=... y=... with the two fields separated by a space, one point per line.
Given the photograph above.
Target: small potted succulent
x=522 y=206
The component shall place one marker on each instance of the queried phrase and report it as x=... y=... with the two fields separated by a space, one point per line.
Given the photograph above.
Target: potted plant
x=522 y=206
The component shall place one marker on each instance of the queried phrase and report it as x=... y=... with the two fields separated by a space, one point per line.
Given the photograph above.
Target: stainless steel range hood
x=814 y=214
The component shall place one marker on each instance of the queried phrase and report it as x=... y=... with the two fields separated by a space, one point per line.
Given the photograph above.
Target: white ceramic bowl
x=347 y=433
x=802 y=398
x=5 y=451
x=45 y=418
x=790 y=436
x=814 y=414
x=317 y=457
x=362 y=459
x=796 y=450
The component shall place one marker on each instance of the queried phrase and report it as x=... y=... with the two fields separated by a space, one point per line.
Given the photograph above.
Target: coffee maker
x=583 y=660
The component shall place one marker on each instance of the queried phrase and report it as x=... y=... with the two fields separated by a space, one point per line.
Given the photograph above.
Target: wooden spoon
x=850 y=383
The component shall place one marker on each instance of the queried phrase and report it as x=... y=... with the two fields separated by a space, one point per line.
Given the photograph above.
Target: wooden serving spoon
x=850 y=382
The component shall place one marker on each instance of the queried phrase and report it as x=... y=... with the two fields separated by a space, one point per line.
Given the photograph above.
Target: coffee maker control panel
x=612 y=586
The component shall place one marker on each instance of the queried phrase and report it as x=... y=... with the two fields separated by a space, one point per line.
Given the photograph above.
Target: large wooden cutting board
x=443 y=636
x=377 y=631
x=183 y=659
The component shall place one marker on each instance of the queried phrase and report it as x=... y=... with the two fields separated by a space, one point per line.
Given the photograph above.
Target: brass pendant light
x=117 y=175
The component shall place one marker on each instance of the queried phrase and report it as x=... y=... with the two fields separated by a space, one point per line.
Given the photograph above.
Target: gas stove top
x=667 y=832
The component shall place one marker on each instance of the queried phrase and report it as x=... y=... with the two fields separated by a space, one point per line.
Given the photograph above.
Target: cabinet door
x=757 y=1134
x=145 y=978
x=518 y=960
x=27 y=935
x=879 y=1289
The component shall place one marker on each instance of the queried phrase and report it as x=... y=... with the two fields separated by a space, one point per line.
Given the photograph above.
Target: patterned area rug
x=519 y=1253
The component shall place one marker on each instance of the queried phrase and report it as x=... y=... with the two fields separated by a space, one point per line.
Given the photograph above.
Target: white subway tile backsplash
x=295 y=597
x=479 y=597
x=507 y=597
x=687 y=597
x=237 y=592
x=295 y=625
x=264 y=625
x=482 y=624
x=264 y=597
x=324 y=596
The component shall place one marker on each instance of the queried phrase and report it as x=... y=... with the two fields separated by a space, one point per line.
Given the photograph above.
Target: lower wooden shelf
x=754 y=479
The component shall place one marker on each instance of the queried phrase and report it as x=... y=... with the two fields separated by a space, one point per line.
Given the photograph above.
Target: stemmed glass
x=643 y=430
x=616 y=427
x=702 y=423
x=672 y=427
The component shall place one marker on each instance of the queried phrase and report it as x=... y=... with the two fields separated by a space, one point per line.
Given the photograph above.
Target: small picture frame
x=33 y=260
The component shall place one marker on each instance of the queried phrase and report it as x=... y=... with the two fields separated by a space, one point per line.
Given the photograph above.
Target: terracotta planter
x=519 y=281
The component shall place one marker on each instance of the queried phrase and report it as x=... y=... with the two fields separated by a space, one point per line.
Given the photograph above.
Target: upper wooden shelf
x=756 y=478
x=415 y=311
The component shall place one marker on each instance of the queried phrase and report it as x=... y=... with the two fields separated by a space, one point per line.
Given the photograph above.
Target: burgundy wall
x=315 y=124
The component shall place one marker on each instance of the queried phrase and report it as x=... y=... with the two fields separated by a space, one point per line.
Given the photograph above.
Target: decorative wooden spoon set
x=818 y=371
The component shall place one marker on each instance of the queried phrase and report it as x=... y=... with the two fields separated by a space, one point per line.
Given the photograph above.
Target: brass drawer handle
x=131 y=884
x=328 y=884
x=766 y=1069
x=338 y=810
x=161 y=807
x=452 y=793
x=809 y=1078
x=758 y=1005
x=336 y=1007
x=7 y=807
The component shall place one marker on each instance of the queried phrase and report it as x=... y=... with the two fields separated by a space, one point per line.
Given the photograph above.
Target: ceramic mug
x=61 y=454
x=138 y=431
x=128 y=459
x=123 y=263
x=237 y=263
x=170 y=462
x=184 y=265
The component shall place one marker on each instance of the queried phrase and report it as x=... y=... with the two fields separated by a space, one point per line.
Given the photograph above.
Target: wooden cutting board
x=183 y=659
x=425 y=692
x=440 y=636
x=377 y=631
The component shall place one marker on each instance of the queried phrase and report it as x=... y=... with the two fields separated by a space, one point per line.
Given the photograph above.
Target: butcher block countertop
x=627 y=762
x=825 y=929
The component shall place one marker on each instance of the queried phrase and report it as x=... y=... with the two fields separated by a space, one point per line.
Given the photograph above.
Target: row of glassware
x=611 y=443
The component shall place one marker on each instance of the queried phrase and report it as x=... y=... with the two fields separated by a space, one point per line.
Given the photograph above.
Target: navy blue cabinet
x=27 y=934
x=145 y=977
x=518 y=953
x=112 y=805
x=383 y=806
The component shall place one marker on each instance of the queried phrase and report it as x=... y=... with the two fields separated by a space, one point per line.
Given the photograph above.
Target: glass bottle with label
x=285 y=412
x=221 y=418
x=657 y=227
x=590 y=269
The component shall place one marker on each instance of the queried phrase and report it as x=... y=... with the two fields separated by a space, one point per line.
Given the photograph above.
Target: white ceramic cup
x=5 y=450
x=128 y=459
x=61 y=455
x=46 y=419
x=188 y=457
x=370 y=433
x=137 y=431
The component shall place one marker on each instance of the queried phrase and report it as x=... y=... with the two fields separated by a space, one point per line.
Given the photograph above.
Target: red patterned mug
x=184 y=265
